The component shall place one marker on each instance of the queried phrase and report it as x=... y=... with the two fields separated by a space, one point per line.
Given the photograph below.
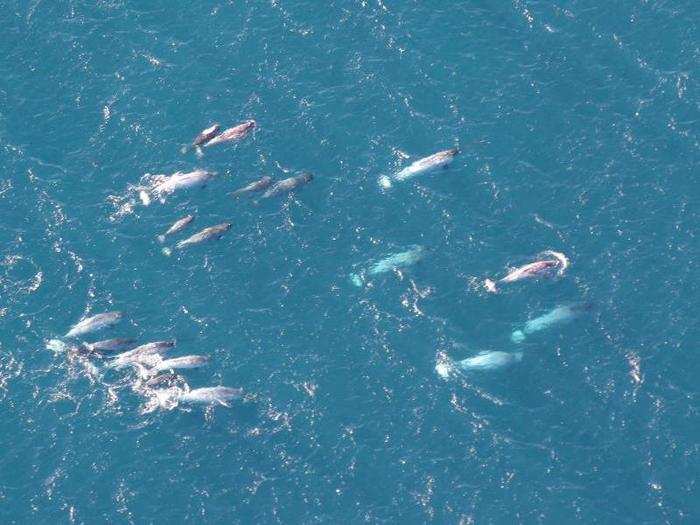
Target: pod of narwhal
x=148 y=360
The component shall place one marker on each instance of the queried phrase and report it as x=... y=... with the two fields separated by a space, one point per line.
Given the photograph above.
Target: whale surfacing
x=94 y=323
x=141 y=353
x=154 y=364
x=206 y=135
x=441 y=159
x=232 y=134
x=490 y=360
x=210 y=233
x=167 y=184
x=287 y=185
x=212 y=395
x=257 y=185
x=177 y=227
x=539 y=268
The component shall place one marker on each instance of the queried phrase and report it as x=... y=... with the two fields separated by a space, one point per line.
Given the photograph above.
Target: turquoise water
x=578 y=127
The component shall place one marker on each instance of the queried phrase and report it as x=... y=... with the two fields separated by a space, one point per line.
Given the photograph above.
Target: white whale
x=485 y=360
x=559 y=315
x=392 y=262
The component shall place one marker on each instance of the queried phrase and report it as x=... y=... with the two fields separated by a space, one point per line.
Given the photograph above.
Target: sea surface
x=579 y=129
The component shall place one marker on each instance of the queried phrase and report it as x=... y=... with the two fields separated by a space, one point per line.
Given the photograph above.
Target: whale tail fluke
x=490 y=286
x=384 y=182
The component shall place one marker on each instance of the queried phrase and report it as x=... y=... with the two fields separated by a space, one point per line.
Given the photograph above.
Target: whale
x=558 y=315
x=211 y=395
x=257 y=185
x=389 y=263
x=441 y=159
x=539 y=268
x=212 y=232
x=232 y=134
x=489 y=360
x=154 y=364
x=107 y=346
x=287 y=185
x=140 y=353
x=206 y=135
x=485 y=360
x=167 y=184
x=177 y=227
x=94 y=323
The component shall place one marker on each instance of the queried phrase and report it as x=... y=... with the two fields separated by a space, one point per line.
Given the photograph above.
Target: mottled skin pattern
x=232 y=134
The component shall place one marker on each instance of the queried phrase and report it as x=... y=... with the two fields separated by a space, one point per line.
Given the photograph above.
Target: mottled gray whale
x=206 y=135
x=212 y=232
x=177 y=227
x=532 y=270
x=257 y=185
x=94 y=323
x=232 y=134
x=287 y=185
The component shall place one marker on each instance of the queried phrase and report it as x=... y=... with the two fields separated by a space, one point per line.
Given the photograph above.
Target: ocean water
x=578 y=124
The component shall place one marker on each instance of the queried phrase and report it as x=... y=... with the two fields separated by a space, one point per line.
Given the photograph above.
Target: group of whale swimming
x=155 y=377
x=550 y=263
x=165 y=390
x=555 y=264
x=159 y=186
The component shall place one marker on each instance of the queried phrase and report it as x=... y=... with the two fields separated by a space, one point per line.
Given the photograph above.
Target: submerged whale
x=440 y=159
x=392 y=262
x=94 y=323
x=559 y=315
x=532 y=270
